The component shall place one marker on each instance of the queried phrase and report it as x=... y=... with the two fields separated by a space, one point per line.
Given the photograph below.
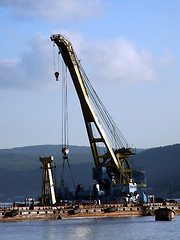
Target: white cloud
x=32 y=70
x=35 y=68
x=113 y=61
x=119 y=61
x=55 y=10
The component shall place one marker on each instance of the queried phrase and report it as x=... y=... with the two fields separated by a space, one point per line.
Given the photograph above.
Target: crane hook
x=65 y=151
x=56 y=75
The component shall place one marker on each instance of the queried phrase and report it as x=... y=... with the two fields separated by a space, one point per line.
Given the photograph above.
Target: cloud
x=53 y=10
x=119 y=61
x=116 y=61
x=35 y=68
x=32 y=70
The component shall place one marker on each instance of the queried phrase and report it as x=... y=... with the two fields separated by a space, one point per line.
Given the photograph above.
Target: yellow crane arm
x=89 y=113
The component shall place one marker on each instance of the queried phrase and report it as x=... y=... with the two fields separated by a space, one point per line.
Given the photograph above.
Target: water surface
x=130 y=228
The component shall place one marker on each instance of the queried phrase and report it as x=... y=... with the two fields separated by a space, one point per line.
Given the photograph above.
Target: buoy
x=56 y=75
x=164 y=214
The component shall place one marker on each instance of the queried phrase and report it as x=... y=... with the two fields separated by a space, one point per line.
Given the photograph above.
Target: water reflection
x=83 y=232
x=140 y=228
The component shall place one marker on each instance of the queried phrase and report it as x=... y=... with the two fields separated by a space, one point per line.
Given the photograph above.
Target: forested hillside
x=162 y=166
x=21 y=175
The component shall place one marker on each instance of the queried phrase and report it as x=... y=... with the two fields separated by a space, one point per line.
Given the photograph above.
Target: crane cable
x=56 y=69
x=65 y=140
x=114 y=133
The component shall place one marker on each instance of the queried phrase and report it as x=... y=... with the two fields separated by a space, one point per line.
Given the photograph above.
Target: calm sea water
x=139 y=228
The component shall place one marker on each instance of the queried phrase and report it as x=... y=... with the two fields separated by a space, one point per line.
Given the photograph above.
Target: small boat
x=12 y=213
x=76 y=210
x=110 y=209
x=164 y=214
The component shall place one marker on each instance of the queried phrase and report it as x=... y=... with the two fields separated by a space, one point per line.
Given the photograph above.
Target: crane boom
x=112 y=159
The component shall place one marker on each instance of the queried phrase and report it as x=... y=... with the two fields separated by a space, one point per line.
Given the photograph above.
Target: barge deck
x=85 y=211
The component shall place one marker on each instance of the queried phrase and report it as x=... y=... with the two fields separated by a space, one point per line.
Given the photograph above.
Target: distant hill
x=23 y=158
x=162 y=166
x=21 y=175
x=45 y=150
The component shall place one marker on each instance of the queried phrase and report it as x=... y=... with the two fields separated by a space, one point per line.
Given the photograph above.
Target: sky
x=129 y=50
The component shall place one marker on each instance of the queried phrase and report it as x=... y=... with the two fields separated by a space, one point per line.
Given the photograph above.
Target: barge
x=83 y=211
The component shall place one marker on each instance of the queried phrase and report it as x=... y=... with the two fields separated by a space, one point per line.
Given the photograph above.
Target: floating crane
x=112 y=168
